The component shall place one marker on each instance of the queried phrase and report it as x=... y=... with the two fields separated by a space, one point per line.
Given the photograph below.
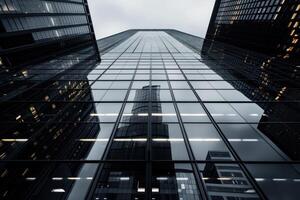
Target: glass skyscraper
x=164 y=115
x=270 y=27
x=154 y=120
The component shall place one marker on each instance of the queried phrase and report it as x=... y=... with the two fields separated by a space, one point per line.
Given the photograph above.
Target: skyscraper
x=33 y=30
x=190 y=126
x=270 y=27
x=40 y=42
x=159 y=117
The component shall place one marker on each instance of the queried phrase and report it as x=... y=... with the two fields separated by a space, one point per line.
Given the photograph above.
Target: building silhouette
x=164 y=115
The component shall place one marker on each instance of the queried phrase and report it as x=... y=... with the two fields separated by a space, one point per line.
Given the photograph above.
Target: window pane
x=209 y=95
x=163 y=112
x=109 y=95
x=192 y=112
x=249 y=142
x=180 y=85
x=223 y=112
x=139 y=95
x=184 y=95
x=107 y=112
x=129 y=142
x=204 y=140
x=167 y=142
x=135 y=112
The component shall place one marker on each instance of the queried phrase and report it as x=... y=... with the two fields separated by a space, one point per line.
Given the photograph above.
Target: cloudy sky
x=113 y=16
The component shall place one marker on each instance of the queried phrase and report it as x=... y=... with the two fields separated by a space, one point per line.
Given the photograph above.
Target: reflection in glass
x=135 y=112
x=249 y=142
x=225 y=181
x=107 y=112
x=192 y=112
x=174 y=181
x=204 y=138
x=121 y=182
x=223 y=112
x=129 y=142
x=167 y=142
x=161 y=84
x=163 y=112
x=135 y=96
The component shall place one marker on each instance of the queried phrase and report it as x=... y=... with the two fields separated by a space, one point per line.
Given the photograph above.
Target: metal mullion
x=73 y=2
x=86 y=122
x=149 y=140
x=296 y=162
x=5 y=15
x=250 y=178
x=109 y=144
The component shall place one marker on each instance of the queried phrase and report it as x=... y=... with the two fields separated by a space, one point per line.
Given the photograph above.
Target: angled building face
x=154 y=120
x=37 y=29
x=270 y=27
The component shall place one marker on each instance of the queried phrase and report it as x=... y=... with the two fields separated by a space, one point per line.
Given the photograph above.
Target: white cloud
x=113 y=16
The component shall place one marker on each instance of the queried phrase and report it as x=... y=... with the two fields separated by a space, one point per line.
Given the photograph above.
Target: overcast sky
x=113 y=16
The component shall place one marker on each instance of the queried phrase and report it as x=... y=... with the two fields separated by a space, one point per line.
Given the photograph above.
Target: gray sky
x=113 y=16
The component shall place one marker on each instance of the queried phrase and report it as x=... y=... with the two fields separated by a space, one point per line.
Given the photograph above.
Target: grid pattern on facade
x=33 y=30
x=254 y=10
x=166 y=104
x=56 y=18
x=269 y=27
x=154 y=120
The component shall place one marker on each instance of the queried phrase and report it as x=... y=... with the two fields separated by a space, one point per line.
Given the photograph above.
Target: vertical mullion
x=149 y=136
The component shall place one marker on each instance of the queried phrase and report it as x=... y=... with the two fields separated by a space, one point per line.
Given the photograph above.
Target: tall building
x=40 y=42
x=188 y=126
x=33 y=30
x=270 y=27
x=153 y=120
x=259 y=41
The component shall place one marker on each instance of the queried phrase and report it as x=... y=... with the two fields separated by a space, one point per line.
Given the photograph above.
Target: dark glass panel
x=174 y=181
x=129 y=142
x=205 y=141
x=121 y=181
x=167 y=142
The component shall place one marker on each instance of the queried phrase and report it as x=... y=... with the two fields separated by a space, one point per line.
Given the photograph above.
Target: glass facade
x=34 y=29
x=153 y=120
x=270 y=27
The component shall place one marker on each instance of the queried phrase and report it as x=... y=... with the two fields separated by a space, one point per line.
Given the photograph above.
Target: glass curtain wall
x=181 y=128
x=153 y=120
